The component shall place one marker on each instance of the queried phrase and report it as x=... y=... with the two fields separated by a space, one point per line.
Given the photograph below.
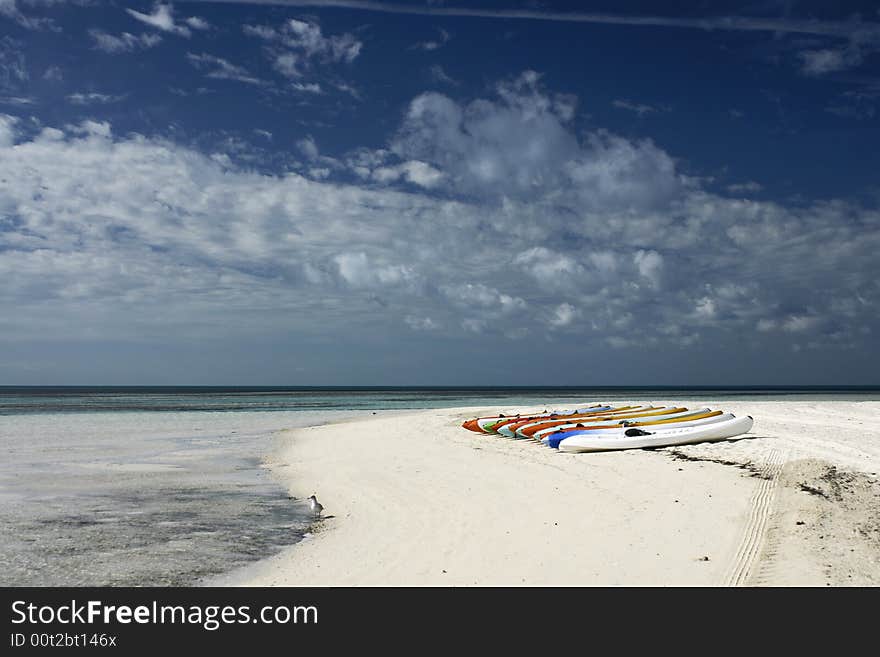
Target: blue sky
x=369 y=193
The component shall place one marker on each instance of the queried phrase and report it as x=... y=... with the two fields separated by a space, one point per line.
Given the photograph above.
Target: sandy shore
x=416 y=500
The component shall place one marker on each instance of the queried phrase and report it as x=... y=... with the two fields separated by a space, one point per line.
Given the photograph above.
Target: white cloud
x=309 y=87
x=552 y=269
x=9 y=9
x=162 y=19
x=650 y=265
x=799 y=323
x=197 y=23
x=287 y=63
x=359 y=270
x=112 y=235
x=221 y=69
x=829 y=60
x=7 y=130
x=522 y=145
x=262 y=31
x=477 y=298
x=434 y=44
x=438 y=74
x=13 y=68
x=421 y=323
x=89 y=128
x=749 y=187
x=307 y=37
x=852 y=28
x=474 y=325
x=92 y=98
x=17 y=101
x=124 y=42
x=413 y=171
x=705 y=308
x=639 y=108
x=564 y=315
x=308 y=147
x=295 y=46
x=53 y=73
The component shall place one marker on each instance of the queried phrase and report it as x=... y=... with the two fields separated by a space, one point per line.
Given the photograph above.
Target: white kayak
x=614 y=423
x=615 y=431
x=639 y=438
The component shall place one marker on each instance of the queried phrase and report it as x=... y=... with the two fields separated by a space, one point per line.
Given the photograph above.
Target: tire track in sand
x=760 y=507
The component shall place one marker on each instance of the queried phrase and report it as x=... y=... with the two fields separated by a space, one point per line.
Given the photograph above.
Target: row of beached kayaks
x=601 y=427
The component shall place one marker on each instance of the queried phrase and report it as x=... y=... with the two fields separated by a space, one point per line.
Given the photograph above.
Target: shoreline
x=415 y=500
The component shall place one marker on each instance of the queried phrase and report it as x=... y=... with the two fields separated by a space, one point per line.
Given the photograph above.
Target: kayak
x=640 y=438
x=493 y=424
x=559 y=434
x=529 y=430
x=511 y=429
x=554 y=439
x=477 y=424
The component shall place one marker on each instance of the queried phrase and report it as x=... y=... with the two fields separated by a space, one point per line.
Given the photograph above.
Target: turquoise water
x=41 y=400
x=165 y=486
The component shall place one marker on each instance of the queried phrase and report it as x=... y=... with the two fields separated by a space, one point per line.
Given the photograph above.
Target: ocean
x=165 y=486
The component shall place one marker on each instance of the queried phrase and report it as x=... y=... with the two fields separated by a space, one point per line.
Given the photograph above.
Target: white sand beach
x=415 y=500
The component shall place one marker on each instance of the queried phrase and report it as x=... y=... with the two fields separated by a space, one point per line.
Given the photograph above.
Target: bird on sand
x=315 y=506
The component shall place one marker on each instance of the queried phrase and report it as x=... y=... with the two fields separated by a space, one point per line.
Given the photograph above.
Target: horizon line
x=466 y=387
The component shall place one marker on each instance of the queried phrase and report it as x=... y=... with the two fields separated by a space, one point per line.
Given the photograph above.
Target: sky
x=439 y=193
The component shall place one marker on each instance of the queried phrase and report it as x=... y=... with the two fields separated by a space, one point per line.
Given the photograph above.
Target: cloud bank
x=485 y=218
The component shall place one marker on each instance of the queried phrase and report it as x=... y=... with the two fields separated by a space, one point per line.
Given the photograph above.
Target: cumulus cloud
x=705 y=308
x=308 y=147
x=106 y=234
x=521 y=144
x=563 y=315
x=413 y=171
x=478 y=297
x=360 y=270
x=7 y=130
x=650 y=265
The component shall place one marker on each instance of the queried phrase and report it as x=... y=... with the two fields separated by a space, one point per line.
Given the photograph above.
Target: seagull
x=315 y=506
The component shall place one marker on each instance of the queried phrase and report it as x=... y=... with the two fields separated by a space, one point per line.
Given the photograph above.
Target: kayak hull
x=665 y=437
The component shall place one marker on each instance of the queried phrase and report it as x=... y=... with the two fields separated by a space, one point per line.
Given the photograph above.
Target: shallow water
x=129 y=499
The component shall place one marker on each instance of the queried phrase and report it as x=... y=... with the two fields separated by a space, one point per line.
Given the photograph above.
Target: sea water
x=166 y=486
